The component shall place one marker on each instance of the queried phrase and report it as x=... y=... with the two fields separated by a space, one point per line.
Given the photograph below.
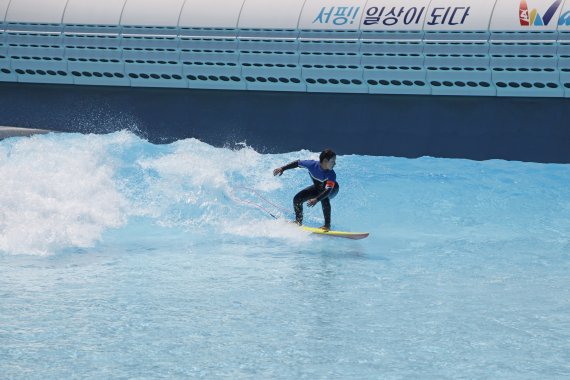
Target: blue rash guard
x=324 y=180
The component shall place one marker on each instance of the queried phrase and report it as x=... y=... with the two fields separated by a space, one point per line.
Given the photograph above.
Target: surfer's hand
x=312 y=202
x=278 y=171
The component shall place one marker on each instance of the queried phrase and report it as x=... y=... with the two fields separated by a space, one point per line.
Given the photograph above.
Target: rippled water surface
x=123 y=259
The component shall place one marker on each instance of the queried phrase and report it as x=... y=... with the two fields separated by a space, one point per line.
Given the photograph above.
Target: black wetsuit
x=324 y=188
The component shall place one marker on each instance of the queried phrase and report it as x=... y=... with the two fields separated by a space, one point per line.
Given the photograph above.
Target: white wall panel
x=564 y=19
x=98 y=12
x=152 y=12
x=526 y=15
x=332 y=14
x=271 y=14
x=393 y=15
x=211 y=13
x=3 y=9
x=44 y=11
x=459 y=15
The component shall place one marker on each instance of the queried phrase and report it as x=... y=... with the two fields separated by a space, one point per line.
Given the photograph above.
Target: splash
x=58 y=191
x=66 y=190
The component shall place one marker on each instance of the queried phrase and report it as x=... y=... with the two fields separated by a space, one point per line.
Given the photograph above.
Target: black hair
x=326 y=154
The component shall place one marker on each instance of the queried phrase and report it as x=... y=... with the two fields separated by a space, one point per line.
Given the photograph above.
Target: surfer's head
x=327 y=159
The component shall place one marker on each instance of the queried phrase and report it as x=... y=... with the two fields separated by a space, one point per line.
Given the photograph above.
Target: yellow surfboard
x=341 y=234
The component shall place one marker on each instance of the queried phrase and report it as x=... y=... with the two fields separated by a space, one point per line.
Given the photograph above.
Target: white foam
x=266 y=228
x=57 y=192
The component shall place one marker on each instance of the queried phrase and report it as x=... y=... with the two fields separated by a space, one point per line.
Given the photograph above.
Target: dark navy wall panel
x=527 y=129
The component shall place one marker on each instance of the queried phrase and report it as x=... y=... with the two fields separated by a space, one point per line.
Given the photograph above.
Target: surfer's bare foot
x=325 y=228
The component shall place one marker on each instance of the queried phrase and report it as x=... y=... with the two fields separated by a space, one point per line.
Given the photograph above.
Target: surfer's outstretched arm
x=292 y=165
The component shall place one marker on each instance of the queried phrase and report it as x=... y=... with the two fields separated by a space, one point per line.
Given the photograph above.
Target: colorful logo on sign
x=533 y=18
x=564 y=19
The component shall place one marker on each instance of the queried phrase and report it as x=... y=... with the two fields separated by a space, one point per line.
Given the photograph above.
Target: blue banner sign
x=390 y=16
x=448 y=16
x=338 y=15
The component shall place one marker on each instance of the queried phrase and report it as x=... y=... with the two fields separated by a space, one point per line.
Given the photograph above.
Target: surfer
x=324 y=186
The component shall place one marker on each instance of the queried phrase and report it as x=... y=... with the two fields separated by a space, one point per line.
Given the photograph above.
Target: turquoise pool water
x=124 y=259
